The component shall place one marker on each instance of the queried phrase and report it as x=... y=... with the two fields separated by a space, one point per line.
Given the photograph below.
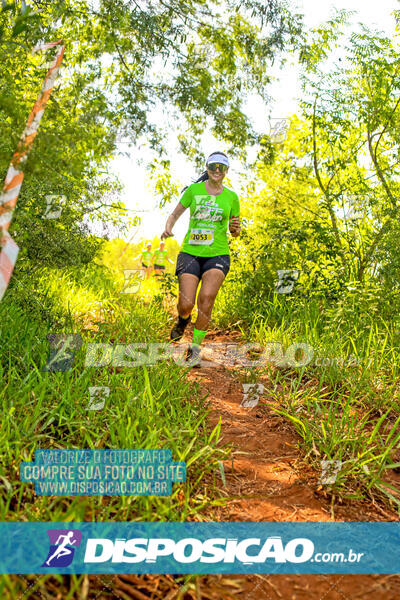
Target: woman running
x=205 y=251
x=160 y=257
x=146 y=259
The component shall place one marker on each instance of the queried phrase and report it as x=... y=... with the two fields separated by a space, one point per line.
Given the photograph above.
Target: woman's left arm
x=234 y=222
x=234 y=226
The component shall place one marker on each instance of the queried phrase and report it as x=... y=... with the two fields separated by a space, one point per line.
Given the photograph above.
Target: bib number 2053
x=201 y=237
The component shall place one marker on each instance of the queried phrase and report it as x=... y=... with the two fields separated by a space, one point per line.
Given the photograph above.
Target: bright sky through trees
x=284 y=92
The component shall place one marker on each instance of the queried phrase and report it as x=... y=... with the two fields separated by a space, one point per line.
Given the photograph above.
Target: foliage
x=149 y=407
x=122 y=59
x=325 y=202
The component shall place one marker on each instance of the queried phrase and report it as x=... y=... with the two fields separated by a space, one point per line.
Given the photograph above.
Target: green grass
x=345 y=403
x=340 y=412
x=148 y=407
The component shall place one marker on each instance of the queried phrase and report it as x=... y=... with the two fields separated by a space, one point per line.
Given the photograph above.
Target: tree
x=124 y=59
x=354 y=112
x=329 y=205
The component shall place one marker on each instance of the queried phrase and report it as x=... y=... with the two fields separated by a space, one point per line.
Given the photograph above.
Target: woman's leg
x=188 y=271
x=211 y=281
x=188 y=284
x=187 y=294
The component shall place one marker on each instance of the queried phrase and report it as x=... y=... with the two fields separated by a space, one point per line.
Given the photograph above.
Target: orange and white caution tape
x=8 y=257
x=15 y=175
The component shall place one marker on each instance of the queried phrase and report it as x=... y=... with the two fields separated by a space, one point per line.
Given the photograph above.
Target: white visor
x=217 y=158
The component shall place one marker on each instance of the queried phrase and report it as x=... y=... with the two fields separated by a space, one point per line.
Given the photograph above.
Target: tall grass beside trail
x=344 y=402
x=148 y=406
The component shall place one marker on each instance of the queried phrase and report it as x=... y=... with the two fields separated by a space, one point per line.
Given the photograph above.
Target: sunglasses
x=214 y=166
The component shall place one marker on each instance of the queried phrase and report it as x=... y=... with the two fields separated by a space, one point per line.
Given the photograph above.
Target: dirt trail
x=267 y=480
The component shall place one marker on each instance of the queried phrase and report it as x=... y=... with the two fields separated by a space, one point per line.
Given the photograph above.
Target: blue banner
x=200 y=548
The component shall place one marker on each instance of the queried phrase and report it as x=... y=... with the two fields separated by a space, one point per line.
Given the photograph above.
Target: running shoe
x=179 y=329
x=193 y=356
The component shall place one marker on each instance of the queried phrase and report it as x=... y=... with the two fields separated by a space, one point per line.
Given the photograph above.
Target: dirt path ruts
x=267 y=480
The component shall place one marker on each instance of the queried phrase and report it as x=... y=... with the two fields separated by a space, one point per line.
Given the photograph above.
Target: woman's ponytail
x=203 y=177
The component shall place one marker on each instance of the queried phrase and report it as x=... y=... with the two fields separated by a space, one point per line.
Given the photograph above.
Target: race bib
x=201 y=237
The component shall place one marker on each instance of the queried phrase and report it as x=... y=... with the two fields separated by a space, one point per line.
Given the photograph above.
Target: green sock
x=198 y=336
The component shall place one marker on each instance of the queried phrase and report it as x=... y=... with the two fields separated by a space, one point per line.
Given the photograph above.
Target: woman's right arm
x=172 y=219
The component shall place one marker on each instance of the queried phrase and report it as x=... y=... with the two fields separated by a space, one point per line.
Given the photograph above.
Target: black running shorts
x=197 y=265
x=161 y=267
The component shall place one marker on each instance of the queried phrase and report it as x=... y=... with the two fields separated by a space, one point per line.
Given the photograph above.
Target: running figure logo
x=61 y=554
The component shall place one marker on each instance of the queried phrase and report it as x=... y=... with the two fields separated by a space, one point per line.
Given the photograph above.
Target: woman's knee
x=206 y=299
x=185 y=305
